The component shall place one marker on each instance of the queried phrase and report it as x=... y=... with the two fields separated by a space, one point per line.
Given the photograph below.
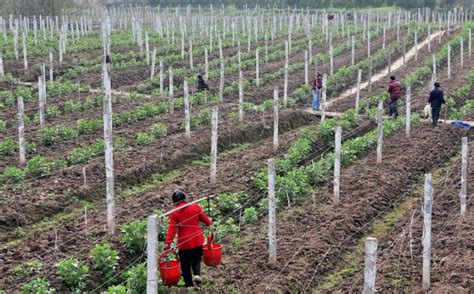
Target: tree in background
x=35 y=7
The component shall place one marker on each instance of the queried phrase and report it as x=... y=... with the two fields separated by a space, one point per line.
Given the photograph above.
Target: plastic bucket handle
x=166 y=253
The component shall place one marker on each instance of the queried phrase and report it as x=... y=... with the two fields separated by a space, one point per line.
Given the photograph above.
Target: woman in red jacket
x=186 y=222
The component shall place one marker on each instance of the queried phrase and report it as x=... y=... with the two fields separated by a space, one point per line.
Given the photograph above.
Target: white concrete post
x=370 y=74
x=153 y=62
x=353 y=51
x=416 y=46
x=109 y=161
x=152 y=259
x=25 y=54
x=257 y=68
x=427 y=206
x=51 y=65
x=275 y=121
x=359 y=80
x=337 y=165
x=331 y=60
x=462 y=52
x=221 y=84
x=449 y=61
x=187 y=114
x=191 y=64
x=370 y=268
x=162 y=77
x=408 y=112
x=464 y=175
x=379 y=131
x=215 y=119
x=306 y=69
x=271 y=212
x=2 y=70
x=285 y=84
x=241 y=96
x=41 y=101
x=21 y=131
x=206 y=64
x=324 y=98
x=171 y=90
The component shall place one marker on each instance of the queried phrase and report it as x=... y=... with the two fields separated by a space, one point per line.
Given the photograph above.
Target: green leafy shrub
x=39 y=166
x=52 y=111
x=12 y=175
x=28 y=268
x=117 y=289
x=88 y=126
x=134 y=236
x=7 y=147
x=38 y=286
x=159 y=130
x=73 y=272
x=145 y=138
x=136 y=278
x=204 y=117
x=3 y=126
x=250 y=215
x=105 y=261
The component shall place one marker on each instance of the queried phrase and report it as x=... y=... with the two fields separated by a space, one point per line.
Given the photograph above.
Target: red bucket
x=169 y=270
x=212 y=253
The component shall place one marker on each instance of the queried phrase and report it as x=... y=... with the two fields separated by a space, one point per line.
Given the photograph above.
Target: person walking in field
x=186 y=222
x=202 y=86
x=436 y=100
x=395 y=91
x=317 y=86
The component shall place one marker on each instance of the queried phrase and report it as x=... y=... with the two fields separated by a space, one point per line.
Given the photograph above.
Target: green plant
x=159 y=130
x=250 y=215
x=3 y=126
x=204 y=117
x=105 y=261
x=52 y=111
x=145 y=138
x=7 y=147
x=134 y=236
x=117 y=289
x=12 y=175
x=28 y=268
x=39 y=166
x=38 y=286
x=136 y=279
x=73 y=272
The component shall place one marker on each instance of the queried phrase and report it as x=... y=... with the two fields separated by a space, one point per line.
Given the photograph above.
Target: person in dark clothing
x=202 y=86
x=186 y=223
x=108 y=62
x=436 y=100
x=395 y=90
x=317 y=86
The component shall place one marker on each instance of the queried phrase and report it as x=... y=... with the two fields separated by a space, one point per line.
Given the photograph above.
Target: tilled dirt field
x=399 y=257
x=323 y=232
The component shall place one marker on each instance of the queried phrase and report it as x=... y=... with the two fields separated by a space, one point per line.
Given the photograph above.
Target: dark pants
x=392 y=108
x=190 y=260
x=435 y=116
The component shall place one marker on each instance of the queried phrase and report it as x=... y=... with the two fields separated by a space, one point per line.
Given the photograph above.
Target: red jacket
x=395 y=90
x=186 y=222
x=317 y=84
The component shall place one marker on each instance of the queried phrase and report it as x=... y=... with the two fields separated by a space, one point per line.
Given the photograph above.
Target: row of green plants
x=463 y=91
x=417 y=79
x=36 y=167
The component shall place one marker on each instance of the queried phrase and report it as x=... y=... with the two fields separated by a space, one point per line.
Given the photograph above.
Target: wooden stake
x=464 y=175
x=427 y=206
x=370 y=270
x=215 y=119
x=21 y=131
x=379 y=131
x=337 y=165
x=271 y=212
x=187 y=114
x=275 y=121
x=152 y=244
